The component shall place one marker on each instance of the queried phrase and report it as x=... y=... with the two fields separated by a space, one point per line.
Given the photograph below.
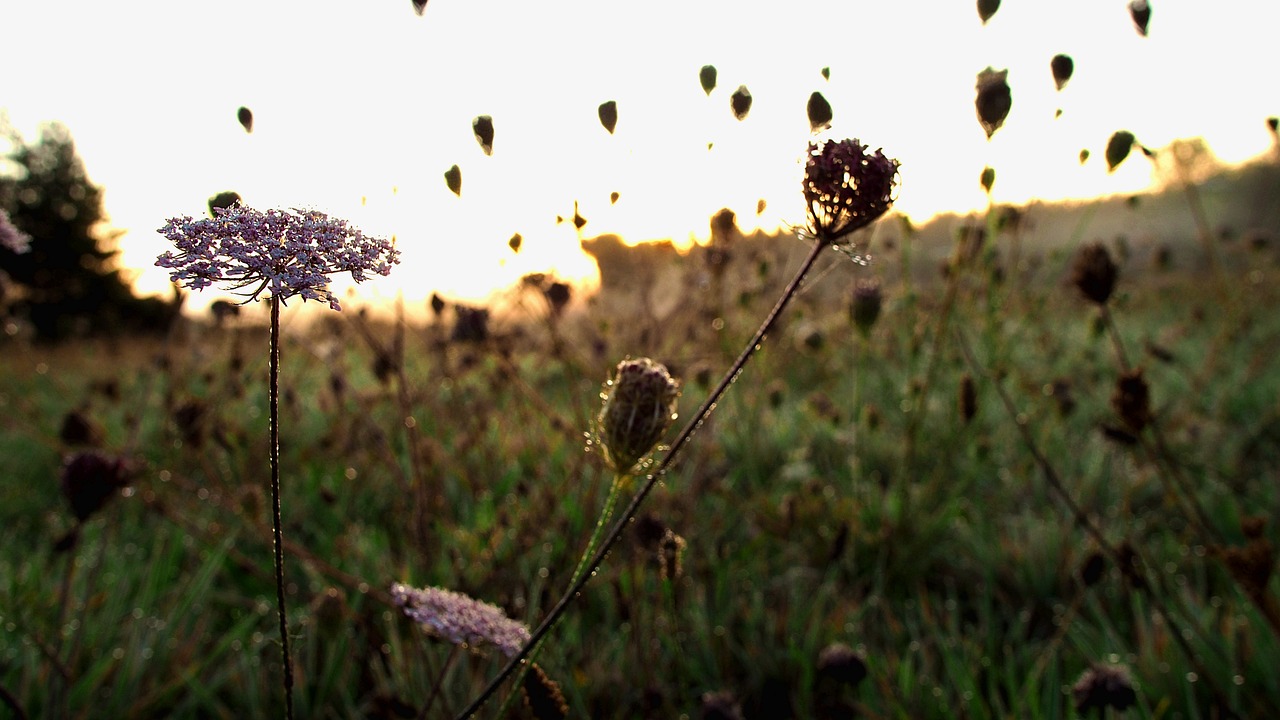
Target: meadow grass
x=841 y=493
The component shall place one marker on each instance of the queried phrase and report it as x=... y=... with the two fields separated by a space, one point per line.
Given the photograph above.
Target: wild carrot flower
x=460 y=619
x=639 y=406
x=11 y=238
x=846 y=188
x=287 y=252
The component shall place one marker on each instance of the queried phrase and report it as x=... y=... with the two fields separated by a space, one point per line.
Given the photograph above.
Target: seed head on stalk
x=846 y=188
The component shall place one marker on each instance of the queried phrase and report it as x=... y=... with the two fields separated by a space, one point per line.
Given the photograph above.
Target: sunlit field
x=957 y=506
x=425 y=424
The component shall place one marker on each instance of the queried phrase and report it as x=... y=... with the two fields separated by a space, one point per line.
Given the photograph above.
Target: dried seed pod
x=1062 y=67
x=707 y=77
x=453 y=178
x=1094 y=273
x=868 y=299
x=987 y=8
x=740 y=102
x=1118 y=147
x=608 y=112
x=994 y=99
x=819 y=111
x=223 y=201
x=1140 y=11
x=1132 y=400
x=482 y=126
x=988 y=178
x=90 y=479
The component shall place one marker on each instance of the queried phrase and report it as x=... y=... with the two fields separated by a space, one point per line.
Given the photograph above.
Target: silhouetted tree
x=67 y=282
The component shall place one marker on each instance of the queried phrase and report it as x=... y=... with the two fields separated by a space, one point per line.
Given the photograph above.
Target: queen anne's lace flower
x=846 y=188
x=11 y=238
x=461 y=619
x=286 y=252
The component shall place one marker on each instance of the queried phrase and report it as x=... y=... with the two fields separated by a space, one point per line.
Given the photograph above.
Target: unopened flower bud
x=639 y=405
x=1095 y=273
x=868 y=299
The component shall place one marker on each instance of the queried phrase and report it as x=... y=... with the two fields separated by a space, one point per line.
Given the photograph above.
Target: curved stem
x=277 y=534
x=664 y=464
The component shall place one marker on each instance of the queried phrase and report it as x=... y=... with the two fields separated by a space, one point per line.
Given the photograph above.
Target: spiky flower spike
x=846 y=188
x=289 y=252
x=461 y=619
x=639 y=405
x=11 y=238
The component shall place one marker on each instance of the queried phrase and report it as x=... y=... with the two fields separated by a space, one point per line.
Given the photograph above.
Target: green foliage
x=68 y=281
x=837 y=495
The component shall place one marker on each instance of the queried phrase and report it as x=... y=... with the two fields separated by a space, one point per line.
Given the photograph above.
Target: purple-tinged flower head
x=288 y=252
x=460 y=619
x=11 y=238
x=846 y=188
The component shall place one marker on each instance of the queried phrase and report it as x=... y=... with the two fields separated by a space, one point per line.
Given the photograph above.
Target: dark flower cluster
x=846 y=188
x=289 y=253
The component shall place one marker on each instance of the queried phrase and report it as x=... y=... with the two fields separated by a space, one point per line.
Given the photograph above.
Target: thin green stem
x=629 y=513
x=611 y=502
x=277 y=534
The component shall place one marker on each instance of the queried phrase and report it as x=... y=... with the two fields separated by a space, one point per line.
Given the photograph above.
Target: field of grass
x=951 y=491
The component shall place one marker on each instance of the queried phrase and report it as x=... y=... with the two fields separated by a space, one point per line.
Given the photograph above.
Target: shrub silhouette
x=67 y=283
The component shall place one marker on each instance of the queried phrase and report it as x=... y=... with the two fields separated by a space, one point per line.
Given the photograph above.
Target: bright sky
x=360 y=107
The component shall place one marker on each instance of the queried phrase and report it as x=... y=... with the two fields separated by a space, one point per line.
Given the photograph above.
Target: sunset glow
x=359 y=108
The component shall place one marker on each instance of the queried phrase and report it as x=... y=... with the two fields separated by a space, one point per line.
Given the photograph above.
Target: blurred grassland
x=836 y=495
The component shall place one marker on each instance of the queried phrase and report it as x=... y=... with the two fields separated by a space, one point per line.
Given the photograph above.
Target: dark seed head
x=1103 y=686
x=842 y=665
x=1094 y=273
x=1132 y=400
x=994 y=99
x=1092 y=568
x=90 y=479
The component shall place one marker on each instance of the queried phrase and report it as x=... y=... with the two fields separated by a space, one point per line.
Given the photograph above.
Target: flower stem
x=611 y=502
x=277 y=534
x=629 y=513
